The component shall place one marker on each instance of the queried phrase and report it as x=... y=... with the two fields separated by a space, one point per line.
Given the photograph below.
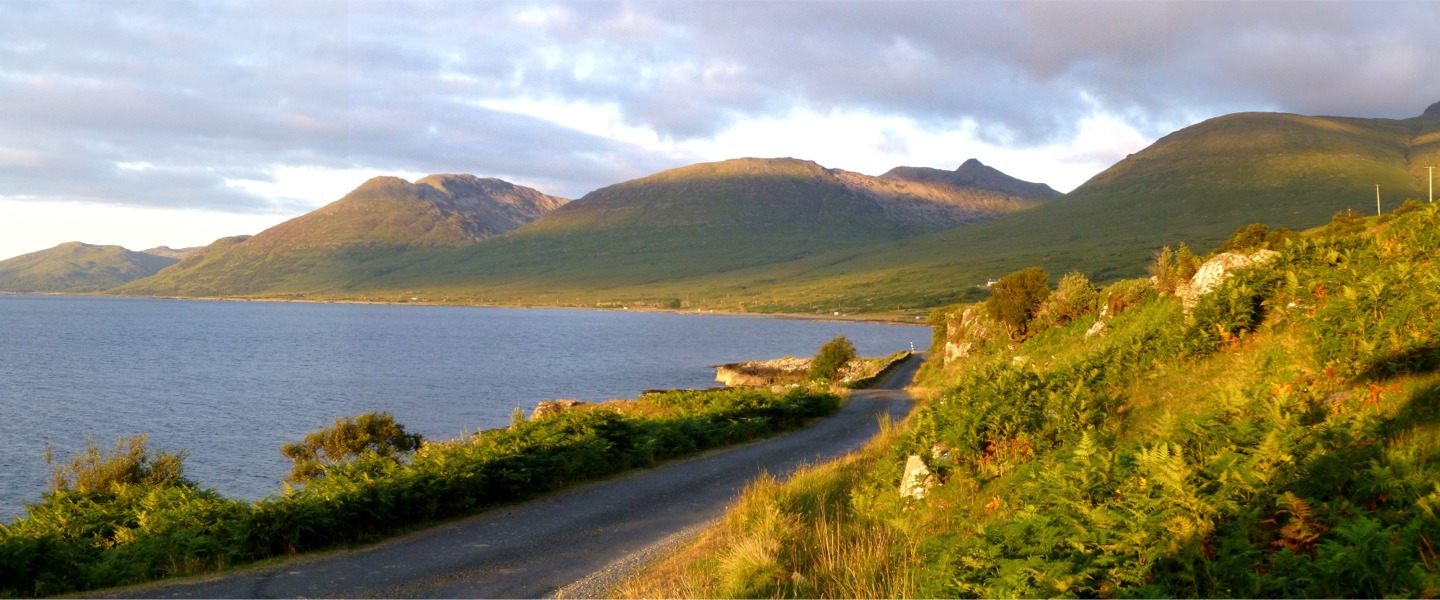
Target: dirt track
x=594 y=533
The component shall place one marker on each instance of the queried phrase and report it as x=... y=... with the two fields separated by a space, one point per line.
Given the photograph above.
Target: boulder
x=1215 y=271
x=1098 y=328
x=553 y=407
x=917 y=481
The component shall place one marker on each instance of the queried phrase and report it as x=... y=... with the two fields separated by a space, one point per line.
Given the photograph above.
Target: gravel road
x=576 y=543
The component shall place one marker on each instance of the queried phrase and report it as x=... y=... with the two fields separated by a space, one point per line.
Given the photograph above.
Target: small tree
x=831 y=358
x=130 y=463
x=349 y=438
x=1015 y=298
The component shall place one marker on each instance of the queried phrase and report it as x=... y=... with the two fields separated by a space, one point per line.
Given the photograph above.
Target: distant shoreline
x=886 y=319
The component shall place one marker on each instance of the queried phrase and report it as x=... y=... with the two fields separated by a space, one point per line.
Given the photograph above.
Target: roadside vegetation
x=1281 y=438
x=129 y=515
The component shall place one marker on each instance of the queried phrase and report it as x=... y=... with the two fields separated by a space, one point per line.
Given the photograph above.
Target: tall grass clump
x=131 y=516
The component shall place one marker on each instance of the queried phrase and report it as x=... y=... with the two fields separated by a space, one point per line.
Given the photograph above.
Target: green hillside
x=77 y=267
x=1280 y=441
x=1198 y=185
x=383 y=225
x=702 y=222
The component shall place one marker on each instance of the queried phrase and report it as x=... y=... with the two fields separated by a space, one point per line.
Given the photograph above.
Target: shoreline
x=880 y=318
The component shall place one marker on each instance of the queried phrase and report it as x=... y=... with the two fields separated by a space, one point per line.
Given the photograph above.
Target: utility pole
x=1377 y=199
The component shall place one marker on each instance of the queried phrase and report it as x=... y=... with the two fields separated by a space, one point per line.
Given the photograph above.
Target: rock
x=940 y=452
x=917 y=481
x=1099 y=328
x=972 y=331
x=781 y=371
x=1214 y=272
x=553 y=407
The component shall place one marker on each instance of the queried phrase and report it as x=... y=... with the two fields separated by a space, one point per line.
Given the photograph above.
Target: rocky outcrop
x=781 y=371
x=554 y=407
x=967 y=331
x=1215 y=271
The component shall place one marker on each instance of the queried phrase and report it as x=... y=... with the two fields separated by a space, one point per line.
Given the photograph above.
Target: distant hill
x=77 y=267
x=712 y=218
x=382 y=225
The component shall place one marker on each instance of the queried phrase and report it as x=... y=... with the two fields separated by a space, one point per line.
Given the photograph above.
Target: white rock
x=1215 y=271
x=917 y=480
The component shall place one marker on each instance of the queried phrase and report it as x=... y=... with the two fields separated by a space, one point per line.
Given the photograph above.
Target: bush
x=1016 y=297
x=1257 y=236
x=1124 y=294
x=1074 y=298
x=131 y=463
x=1345 y=222
x=350 y=437
x=831 y=358
x=1173 y=268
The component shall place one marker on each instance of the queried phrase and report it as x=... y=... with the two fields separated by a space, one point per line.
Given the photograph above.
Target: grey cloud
x=209 y=91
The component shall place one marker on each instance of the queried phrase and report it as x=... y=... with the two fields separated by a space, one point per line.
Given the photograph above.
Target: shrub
x=1345 y=222
x=1124 y=294
x=349 y=438
x=1173 y=268
x=831 y=358
x=130 y=463
x=1074 y=298
x=1016 y=297
x=1257 y=236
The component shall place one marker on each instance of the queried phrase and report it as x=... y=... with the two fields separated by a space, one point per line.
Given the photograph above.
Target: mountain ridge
x=77 y=267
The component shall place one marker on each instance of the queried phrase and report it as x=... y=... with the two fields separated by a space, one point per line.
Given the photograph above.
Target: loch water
x=230 y=382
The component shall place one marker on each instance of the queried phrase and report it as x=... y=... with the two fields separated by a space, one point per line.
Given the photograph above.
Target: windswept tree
x=374 y=434
x=831 y=358
x=1016 y=297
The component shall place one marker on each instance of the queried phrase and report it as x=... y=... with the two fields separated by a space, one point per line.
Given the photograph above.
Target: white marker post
x=1432 y=183
x=1377 y=199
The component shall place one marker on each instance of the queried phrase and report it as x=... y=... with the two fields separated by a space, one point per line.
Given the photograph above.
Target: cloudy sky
x=168 y=122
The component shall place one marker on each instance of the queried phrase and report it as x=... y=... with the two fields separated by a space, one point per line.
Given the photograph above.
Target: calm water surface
x=230 y=382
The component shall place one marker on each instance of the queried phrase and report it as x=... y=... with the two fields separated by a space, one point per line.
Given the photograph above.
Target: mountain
x=1196 y=185
x=972 y=175
x=382 y=225
x=77 y=267
x=708 y=219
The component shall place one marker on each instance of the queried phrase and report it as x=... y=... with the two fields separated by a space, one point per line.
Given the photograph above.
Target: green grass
x=1283 y=440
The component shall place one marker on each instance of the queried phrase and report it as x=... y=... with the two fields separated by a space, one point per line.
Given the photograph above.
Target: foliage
x=130 y=463
x=1074 y=297
x=1016 y=297
x=145 y=528
x=1173 y=268
x=1293 y=453
x=831 y=358
x=1125 y=294
x=1257 y=236
x=349 y=438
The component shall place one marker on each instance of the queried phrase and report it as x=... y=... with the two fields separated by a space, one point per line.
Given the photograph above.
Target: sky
x=176 y=123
